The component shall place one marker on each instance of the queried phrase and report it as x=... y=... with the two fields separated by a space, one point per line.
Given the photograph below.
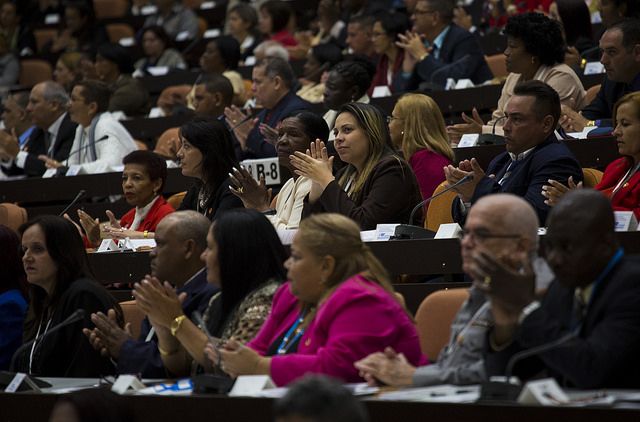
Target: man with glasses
x=591 y=310
x=503 y=227
x=533 y=155
x=438 y=49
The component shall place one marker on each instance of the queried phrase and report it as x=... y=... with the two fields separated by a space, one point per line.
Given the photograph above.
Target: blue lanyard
x=612 y=263
x=285 y=344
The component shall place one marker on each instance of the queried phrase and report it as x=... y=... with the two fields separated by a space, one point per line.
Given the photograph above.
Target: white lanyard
x=35 y=341
x=625 y=179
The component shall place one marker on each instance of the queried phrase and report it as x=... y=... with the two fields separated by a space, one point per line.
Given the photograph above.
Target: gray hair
x=54 y=92
x=275 y=66
x=190 y=225
x=271 y=49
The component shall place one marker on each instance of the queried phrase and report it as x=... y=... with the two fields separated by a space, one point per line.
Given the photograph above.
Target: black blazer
x=220 y=201
x=601 y=108
x=35 y=146
x=605 y=352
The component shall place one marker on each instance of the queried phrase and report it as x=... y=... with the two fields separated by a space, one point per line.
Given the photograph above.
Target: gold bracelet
x=424 y=56
x=176 y=324
x=165 y=353
x=590 y=123
x=145 y=234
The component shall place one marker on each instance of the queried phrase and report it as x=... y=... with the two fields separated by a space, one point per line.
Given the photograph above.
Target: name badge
x=269 y=168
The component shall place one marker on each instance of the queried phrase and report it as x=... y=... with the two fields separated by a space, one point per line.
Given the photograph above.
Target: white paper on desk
x=211 y=33
x=593 y=68
x=384 y=232
x=127 y=41
x=368 y=235
x=625 y=221
x=73 y=170
x=136 y=244
x=545 y=392
x=448 y=231
x=361 y=389
x=124 y=383
x=182 y=36
x=286 y=235
x=468 y=140
x=49 y=173
x=148 y=10
x=107 y=245
x=207 y=5
x=464 y=84
x=583 y=134
x=251 y=385
x=438 y=393
x=158 y=70
x=52 y=19
x=381 y=91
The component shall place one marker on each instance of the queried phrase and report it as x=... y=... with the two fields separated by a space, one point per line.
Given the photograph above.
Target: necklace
x=625 y=179
x=203 y=198
x=296 y=331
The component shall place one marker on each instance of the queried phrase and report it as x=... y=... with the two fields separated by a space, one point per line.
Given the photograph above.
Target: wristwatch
x=176 y=324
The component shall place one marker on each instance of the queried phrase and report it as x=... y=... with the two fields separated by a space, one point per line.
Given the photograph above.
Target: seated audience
x=16 y=30
x=384 y=36
x=168 y=144
x=58 y=273
x=13 y=292
x=618 y=44
x=222 y=55
x=143 y=178
x=535 y=51
x=448 y=52
x=15 y=119
x=575 y=21
x=621 y=179
x=614 y=11
x=158 y=52
x=180 y=240
x=514 y=225
x=92 y=405
x=295 y=133
x=269 y=49
x=330 y=25
x=206 y=153
x=319 y=399
x=114 y=66
x=359 y=33
x=9 y=65
x=68 y=70
x=533 y=154
x=243 y=26
x=347 y=82
x=337 y=308
x=101 y=142
x=178 y=21
x=79 y=32
x=247 y=283
x=416 y=127
x=273 y=22
x=375 y=187
x=593 y=306
x=274 y=89
x=53 y=135
x=212 y=93
x=320 y=59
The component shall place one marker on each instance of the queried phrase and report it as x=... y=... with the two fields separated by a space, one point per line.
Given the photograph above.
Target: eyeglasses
x=483 y=235
x=391 y=118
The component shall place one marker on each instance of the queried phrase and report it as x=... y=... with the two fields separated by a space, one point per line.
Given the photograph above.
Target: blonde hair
x=423 y=126
x=632 y=98
x=372 y=122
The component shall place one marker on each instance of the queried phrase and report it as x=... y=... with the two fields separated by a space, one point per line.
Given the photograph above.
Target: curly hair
x=542 y=36
x=356 y=71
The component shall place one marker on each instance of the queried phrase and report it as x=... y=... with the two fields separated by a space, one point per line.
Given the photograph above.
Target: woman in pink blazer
x=337 y=308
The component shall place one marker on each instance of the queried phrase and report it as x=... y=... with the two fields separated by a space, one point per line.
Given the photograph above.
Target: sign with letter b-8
x=264 y=167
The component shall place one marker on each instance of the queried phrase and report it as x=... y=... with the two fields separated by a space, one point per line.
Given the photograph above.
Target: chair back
x=439 y=209
x=118 y=31
x=168 y=143
x=176 y=199
x=12 y=215
x=434 y=318
x=498 y=65
x=34 y=71
x=590 y=177
x=591 y=94
x=110 y=9
x=132 y=314
x=43 y=36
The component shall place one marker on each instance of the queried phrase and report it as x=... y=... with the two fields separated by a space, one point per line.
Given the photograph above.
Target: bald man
x=180 y=237
x=502 y=226
x=593 y=304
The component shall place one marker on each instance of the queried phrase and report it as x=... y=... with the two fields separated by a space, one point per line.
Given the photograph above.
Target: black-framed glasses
x=482 y=235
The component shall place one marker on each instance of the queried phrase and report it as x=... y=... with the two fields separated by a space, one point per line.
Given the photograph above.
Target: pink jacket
x=357 y=319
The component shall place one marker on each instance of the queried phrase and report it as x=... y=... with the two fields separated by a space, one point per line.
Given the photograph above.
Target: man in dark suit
x=447 y=51
x=533 y=154
x=52 y=137
x=274 y=87
x=592 y=308
x=620 y=46
x=180 y=239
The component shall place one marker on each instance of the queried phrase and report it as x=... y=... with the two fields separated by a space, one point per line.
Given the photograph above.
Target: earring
x=533 y=60
x=402 y=133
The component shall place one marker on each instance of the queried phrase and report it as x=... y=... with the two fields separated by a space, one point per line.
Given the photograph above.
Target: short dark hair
x=280 y=13
x=213 y=140
x=443 y=7
x=630 y=29
x=247 y=13
x=356 y=71
x=21 y=98
x=393 y=23
x=262 y=257
x=632 y=7
x=320 y=399
x=13 y=276
x=315 y=127
x=159 y=32
x=155 y=165
x=117 y=54
x=95 y=91
x=547 y=100
x=229 y=51
x=66 y=248
x=276 y=66
x=576 y=20
x=365 y=21
x=542 y=36
x=217 y=83
x=327 y=53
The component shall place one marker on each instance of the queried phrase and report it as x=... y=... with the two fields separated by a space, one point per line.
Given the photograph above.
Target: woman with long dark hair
x=207 y=154
x=244 y=259
x=61 y=283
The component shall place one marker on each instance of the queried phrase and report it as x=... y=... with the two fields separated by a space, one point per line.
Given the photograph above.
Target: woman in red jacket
x=143 y=178
x=621 y=179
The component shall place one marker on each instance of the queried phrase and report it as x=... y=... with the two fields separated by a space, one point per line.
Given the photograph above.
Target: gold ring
x=241 y=189
x=487 y=281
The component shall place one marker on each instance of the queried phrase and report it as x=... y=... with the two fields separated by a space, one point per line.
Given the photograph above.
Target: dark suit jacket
x=220 y=201
x=257 y=147
x=549 y=160
x=129 y=96
x=601 y=108
x=460 y=57
x=35 y=146
x=387 y=196
x=605 y=352
x=142 y=357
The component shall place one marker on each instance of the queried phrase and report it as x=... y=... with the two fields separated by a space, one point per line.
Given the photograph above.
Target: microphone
x=504 y=390
x=243 y=121
x=74 y=317
x=82 y=148
x=72 y=203
x=410 y=231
